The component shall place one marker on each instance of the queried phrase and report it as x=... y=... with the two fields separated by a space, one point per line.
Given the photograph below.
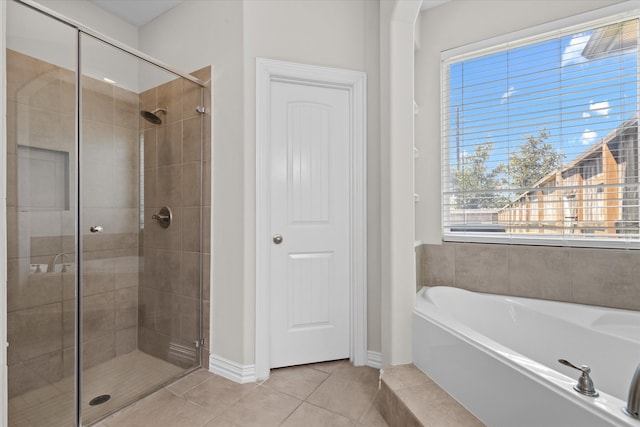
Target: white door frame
x=354 y=82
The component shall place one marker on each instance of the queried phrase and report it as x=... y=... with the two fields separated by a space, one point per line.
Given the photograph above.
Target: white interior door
x=310 y=210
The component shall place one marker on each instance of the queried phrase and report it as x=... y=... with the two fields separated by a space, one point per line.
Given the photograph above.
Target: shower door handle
x=96 y=229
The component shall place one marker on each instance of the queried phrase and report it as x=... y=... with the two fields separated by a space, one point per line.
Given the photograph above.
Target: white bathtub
x=498 y=357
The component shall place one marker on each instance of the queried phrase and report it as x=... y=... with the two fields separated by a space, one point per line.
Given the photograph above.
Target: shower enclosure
x=104 y=221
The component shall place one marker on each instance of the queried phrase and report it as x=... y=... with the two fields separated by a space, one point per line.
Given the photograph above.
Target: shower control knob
x=96 y=229
x=164 y=217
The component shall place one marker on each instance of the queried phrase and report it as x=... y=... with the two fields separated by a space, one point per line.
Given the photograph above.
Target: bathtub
x=498 y=356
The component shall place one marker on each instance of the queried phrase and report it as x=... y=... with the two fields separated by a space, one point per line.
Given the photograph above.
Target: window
x=540 y=139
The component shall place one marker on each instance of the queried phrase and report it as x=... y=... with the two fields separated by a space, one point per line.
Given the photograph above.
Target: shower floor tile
x=126 y=378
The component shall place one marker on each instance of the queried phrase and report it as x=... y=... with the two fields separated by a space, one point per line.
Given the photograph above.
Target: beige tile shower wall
x=38 y=115
x=605 y=277
x=110 y=191
x=173 y=158
x=41 y=114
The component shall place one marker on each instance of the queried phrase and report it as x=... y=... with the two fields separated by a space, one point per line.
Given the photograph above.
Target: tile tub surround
x=323 y=394
x=604 y=277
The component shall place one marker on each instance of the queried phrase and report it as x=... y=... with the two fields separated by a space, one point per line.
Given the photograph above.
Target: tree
x=476 y=185
x=535 y=160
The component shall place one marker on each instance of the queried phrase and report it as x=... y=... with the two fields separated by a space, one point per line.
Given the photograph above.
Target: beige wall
x=333 y=34
x=229 y=35
x=54 y=42
x=589 y=276
x=397 y=27
x=95 y=17
x=210 y=33
x=451 y=25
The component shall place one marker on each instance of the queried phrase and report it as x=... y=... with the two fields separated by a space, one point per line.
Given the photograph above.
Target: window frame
x=539 y=33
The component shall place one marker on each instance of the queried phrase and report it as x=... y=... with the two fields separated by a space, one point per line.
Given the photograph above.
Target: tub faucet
x=633 y=401
x=52 y=265
x=585 y=384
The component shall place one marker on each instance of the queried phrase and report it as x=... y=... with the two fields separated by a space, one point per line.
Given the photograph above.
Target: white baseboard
x=231 y=370
x=243 y=374
x=374 y=359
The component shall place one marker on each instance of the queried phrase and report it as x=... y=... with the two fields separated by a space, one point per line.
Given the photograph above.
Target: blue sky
x=505 y=96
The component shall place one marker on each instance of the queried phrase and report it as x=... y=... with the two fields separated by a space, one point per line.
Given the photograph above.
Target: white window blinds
x=540 y=140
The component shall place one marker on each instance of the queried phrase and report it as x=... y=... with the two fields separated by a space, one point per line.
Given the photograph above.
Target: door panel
x=309 y=299
x=310 y=209
x=308 y=168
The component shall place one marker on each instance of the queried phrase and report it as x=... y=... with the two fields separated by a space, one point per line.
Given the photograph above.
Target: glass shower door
x=41 y=209
x=140 y=208
x=104 y=293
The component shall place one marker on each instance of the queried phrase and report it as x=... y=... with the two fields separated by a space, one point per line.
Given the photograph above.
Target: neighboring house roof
x=610 y=139
x=612 y=38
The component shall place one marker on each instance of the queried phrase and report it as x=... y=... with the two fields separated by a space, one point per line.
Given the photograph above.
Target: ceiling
x=139 y=12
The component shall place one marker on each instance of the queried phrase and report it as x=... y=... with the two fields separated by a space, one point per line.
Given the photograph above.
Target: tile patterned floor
x=125 y=378
x=322 y=394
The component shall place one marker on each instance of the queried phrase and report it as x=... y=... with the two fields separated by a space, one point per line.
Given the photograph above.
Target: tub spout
x=51 y=267
x=633 y=401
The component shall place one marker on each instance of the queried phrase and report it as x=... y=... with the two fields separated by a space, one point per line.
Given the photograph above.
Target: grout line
x=333 y=412
x=292 y=412
x=318 y=386
x=372 y=404
x=207 y=378
x=355 y=421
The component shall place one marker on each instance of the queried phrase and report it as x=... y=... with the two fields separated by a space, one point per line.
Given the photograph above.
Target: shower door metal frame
x=4 y=394
x=80 y=30
x=108 y=40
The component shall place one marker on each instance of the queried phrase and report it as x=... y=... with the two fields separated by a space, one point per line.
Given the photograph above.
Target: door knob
x=277 y=239
x=96 y=229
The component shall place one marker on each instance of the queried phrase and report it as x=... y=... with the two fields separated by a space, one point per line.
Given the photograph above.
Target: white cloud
x=588 y=136
x=573 y=52
x=586 y=115
x=600 y=108
x=507 y=94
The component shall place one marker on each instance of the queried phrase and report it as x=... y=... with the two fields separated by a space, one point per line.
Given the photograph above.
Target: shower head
x=152 y=116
